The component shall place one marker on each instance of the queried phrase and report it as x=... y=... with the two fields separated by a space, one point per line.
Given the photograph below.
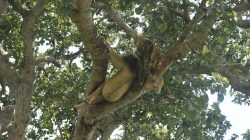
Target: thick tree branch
x=184 y=44
x=189 y=39
x=117 y=18
x=189 y=28
x=243 y=23
x=106 y=126
x=98 y=112
x=226 y=70
x=28 y=32
x=82 y=17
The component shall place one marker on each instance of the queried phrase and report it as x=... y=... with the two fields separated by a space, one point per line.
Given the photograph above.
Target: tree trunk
x=99 y=129
x=22 y=109
x=25 y=80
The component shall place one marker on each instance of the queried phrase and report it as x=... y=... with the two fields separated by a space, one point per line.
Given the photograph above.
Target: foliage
x=246 y=135
x=181 y=111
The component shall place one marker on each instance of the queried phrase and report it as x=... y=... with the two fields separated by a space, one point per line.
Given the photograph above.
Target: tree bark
x=25 y=82
x=26 y=76
x=6 y=116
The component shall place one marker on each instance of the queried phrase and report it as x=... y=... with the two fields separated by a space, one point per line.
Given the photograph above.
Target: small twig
x=117 y=18
x=73 y=55
x=47 y=59
x=182 y=89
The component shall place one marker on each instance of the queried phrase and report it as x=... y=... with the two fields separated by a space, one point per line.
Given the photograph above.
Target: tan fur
x=116 y=86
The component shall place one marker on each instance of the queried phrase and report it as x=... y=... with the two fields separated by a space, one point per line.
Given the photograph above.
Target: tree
x=53 y=54
x=246 y=135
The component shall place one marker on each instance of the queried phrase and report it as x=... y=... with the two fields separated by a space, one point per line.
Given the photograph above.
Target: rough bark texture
x=7 y=77
x=3 y=6
x=6 y=116
x=227 y=70
x=82 y=17
x=22 y=82
x=25 y=82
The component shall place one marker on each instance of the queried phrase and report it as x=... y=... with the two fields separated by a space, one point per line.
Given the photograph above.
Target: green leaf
x=234 y=13
x=205 y=50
